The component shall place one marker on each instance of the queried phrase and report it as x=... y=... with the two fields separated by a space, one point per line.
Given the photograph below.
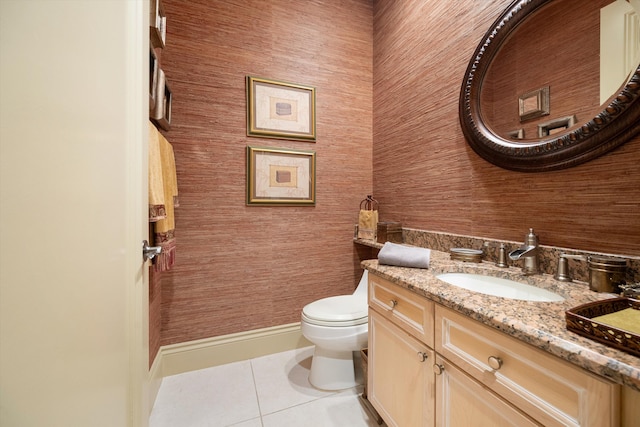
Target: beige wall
x=241 y=268
x=73 y=208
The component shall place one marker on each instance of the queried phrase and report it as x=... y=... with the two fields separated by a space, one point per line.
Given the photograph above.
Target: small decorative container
x=466 y=255
x=389 y=232
x=607 y=274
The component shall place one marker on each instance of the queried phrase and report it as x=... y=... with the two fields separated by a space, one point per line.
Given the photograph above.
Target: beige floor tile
x=212 y=397
x=339 y=410
x=269 y=391
x=282 y=380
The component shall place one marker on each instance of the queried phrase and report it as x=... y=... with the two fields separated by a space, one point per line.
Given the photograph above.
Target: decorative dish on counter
x=466 y=255
x=614 y=322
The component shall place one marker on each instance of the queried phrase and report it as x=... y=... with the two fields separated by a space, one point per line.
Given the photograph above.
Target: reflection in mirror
x=556 y=126
x=545 y=54
x=619 y=44
x=532 y=98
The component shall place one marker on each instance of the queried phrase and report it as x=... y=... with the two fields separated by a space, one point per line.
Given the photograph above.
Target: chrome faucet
x=528 y=251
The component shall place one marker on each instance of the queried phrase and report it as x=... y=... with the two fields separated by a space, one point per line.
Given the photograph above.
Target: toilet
x=337 y=326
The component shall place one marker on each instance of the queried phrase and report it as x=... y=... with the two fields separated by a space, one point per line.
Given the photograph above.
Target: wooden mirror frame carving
x=618 y=122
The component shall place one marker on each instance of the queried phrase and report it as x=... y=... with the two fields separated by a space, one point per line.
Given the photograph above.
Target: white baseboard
x=205 y=353
x=155 y=380
x=199 y=354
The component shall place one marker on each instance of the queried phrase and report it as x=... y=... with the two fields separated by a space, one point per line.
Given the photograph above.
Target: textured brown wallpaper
x=240 y=268
x=426 y=176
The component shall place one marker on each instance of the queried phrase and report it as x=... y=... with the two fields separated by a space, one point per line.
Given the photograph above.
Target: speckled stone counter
x=541 y=324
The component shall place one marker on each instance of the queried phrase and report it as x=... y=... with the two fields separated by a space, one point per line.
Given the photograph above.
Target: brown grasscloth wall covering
x=426 y=176
x=388 y=88
x=240 y=268
x=544 y=44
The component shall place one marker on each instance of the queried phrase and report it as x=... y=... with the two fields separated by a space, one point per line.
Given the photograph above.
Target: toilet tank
x=362 y=286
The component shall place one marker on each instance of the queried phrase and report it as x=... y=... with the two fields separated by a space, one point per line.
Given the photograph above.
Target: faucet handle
x=563 y=270
x=502 y=253
x=563 y=266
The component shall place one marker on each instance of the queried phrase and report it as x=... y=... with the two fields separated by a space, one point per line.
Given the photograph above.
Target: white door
x=73 y=141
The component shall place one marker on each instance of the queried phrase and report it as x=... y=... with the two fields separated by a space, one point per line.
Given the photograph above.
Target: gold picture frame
x=282 y=110
x=556 y=126
x=161 y=113
x=281 y=177
x=157 y=24
x=534 y=104
x=516 y=134
x=153 y=81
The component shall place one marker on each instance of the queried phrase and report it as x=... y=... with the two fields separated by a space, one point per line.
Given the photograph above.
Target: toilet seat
x=338 y=311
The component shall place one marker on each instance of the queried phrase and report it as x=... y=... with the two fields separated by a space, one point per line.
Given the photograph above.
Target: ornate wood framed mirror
x=496 y=105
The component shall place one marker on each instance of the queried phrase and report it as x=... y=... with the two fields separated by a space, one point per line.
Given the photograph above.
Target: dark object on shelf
x=389 y=232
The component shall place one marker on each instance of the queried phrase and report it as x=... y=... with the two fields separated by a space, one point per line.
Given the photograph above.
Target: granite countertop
x=541 y=324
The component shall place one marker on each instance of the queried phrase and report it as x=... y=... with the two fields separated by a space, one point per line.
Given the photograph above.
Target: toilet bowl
x=337 y=326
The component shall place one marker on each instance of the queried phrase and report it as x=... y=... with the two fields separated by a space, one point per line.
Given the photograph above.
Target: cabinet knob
x=438 y=369
x=495 y=362
x=393 y=303
x=422 y=356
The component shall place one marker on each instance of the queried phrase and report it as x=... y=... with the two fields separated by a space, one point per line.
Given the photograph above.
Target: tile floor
x=269 y=391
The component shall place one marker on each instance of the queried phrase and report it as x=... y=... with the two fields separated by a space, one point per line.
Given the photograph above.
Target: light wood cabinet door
x=462 y=402
x=550 y=390
x=400 y=375
x=406 y=309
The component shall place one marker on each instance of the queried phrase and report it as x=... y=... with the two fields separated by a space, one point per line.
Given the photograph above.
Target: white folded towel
x=404 y=256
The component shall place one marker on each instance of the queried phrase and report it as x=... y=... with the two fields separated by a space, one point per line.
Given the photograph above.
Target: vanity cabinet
x=400 y=376
x=406 y=309
x=548 y=389
x=401 y=380
x=462 y=401
x=431 y=366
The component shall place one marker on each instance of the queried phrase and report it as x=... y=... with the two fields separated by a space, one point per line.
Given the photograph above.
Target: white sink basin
x=499 y=287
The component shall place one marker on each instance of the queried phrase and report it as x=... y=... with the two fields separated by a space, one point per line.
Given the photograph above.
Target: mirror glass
x=544 y=54
x=546 y=75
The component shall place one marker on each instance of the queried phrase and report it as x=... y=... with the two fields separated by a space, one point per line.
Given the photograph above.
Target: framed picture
x=153 y=81
x=280 y=110
x=534 y=104
x=162 y=110
x=281 y=176
x=157 y=24
x=516 y=134
x=556 y=126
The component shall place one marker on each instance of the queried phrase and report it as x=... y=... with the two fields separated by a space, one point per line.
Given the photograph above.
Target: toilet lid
x=342 y=308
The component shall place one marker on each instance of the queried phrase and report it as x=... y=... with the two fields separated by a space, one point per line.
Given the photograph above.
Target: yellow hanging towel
x=157 y=209
x=368 y=219
x=163 y=198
